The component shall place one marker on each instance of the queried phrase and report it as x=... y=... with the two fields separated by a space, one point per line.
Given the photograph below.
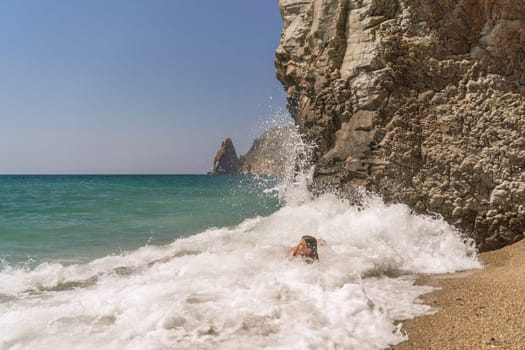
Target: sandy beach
x=482 y=309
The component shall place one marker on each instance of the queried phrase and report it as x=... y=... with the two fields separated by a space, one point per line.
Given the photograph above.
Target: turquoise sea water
x=75 y=218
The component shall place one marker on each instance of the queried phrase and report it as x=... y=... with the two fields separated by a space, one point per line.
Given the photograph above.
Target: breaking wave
x=237 y=288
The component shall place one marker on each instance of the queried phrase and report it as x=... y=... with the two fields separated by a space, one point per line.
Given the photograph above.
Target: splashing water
x=296 y=153
x=236 y=288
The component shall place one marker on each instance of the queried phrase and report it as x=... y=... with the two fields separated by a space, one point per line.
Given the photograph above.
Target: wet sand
x=481 y=309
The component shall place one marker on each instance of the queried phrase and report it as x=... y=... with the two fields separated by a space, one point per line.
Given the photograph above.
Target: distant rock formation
x=226 y=160
x=268 y=155
x=422 y=101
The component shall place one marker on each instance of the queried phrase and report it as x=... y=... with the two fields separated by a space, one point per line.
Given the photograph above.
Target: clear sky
x=133 y=86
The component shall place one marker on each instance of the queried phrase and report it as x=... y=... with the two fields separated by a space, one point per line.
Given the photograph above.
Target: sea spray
x=296 y=180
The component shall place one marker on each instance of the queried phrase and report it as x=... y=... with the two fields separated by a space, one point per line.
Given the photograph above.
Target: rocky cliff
x=422 y=101
x=226 y=160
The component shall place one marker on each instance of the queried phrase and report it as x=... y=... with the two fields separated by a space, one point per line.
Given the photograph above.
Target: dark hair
x=311 y=243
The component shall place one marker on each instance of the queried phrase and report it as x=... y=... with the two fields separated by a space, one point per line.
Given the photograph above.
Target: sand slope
x=483 y=309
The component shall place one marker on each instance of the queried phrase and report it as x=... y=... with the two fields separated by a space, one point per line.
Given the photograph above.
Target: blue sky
x=128 y=86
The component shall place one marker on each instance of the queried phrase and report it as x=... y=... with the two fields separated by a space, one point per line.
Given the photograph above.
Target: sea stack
x=226 y=160
x=420 y=101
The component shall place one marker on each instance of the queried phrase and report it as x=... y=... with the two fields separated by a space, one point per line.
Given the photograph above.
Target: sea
x=201 y=262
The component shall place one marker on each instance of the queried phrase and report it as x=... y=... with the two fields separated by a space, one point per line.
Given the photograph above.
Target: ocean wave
x=229 y=288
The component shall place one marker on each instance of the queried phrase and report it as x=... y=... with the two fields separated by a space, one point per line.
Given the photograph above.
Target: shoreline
x=476 y=309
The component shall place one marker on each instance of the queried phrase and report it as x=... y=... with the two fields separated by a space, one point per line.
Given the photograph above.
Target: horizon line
x=94 y=174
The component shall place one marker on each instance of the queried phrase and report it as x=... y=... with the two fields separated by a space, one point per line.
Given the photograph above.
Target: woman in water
x=306 y=249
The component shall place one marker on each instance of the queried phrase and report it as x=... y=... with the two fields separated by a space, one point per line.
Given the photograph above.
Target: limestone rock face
x=226 y=160
x=268 y=152
x=422 y=101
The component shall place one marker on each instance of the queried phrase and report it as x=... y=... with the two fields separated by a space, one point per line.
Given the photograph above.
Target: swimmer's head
x=310 y=247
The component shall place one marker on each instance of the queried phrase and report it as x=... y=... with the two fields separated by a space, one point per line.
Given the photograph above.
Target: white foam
x=236 y=288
